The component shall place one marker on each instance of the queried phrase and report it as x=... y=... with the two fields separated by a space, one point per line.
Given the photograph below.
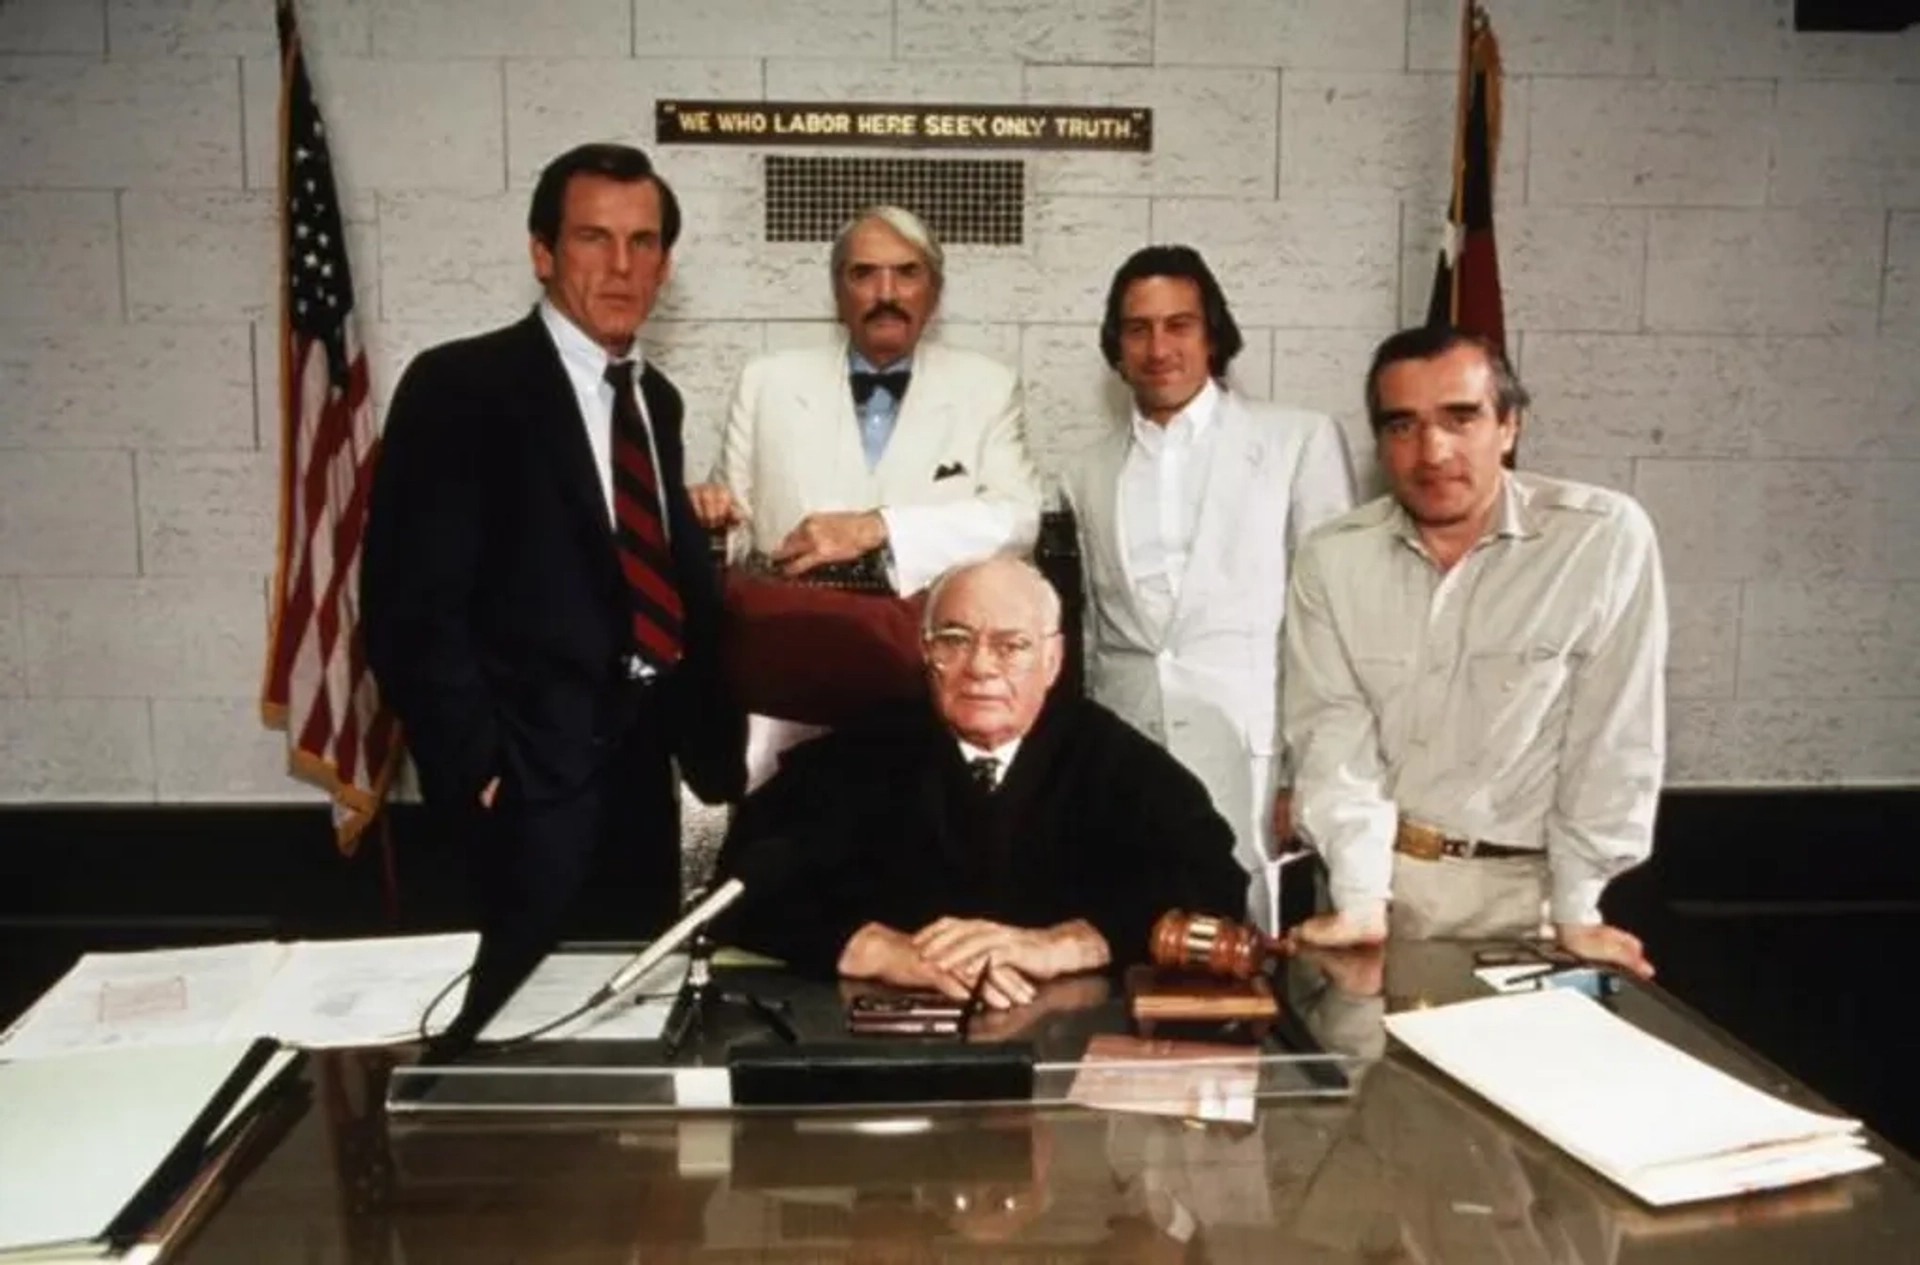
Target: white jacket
x=1207 y=686
x=956 y=481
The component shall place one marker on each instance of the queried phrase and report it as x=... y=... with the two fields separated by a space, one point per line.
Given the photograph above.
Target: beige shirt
x=1518 y=698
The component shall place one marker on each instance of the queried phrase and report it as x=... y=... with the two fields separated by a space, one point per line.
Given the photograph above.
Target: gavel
x=1212 y=945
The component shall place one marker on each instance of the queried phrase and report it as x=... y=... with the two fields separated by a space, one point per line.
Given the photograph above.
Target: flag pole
x=273 y=709
x=1462 y=103
x=318 y=688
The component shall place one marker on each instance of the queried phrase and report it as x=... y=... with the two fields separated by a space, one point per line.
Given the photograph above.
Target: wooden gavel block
x=1206 y=969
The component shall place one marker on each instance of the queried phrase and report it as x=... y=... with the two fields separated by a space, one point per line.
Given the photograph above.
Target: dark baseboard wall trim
x=242 y=871
x=1788 y=846
x=273 y=870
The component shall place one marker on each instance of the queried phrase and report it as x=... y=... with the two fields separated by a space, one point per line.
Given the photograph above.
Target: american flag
x=318 y=687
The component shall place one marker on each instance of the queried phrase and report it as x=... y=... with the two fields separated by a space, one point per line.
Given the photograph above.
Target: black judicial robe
x=1092 y=820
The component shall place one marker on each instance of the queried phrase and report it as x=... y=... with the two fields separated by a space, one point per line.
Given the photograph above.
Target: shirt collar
x=1003 y=753
x=857 y=363
x=1187 y=426
x=580 y=353
x=1514 y=515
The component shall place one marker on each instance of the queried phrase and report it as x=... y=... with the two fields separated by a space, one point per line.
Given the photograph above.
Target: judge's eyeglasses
x=953 y=645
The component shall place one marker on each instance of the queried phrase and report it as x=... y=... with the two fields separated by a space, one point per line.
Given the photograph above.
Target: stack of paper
x=126 y=1088
x=314 y=994
x=1657 y=1121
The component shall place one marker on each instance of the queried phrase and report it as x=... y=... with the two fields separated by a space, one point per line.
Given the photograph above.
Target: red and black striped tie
x=639 y=534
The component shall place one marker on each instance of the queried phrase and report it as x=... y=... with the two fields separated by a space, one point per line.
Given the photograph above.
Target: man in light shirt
x=1475 y=676
x=1187 y=518
x=1043 y=836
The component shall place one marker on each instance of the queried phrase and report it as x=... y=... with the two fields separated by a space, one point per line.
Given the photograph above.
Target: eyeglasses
x=1008 y=652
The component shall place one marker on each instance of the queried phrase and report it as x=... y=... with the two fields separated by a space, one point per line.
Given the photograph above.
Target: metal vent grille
x=972 y=201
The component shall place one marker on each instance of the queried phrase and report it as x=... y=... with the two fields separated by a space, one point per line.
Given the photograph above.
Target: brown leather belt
x=1429 y=844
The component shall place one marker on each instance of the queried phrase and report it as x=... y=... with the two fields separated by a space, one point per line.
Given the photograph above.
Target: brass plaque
x=770 y=123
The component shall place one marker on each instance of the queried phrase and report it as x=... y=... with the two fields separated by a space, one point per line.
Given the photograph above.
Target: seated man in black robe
x=996 y=830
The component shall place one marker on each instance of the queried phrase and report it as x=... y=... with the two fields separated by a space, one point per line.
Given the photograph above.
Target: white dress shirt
x=1517 y=698
x=586 y=364
x=881 y=412
x=1003 y=753
x=1161 y=487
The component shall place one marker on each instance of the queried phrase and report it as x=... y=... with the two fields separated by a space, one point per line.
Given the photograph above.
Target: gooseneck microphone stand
x=700 y=1002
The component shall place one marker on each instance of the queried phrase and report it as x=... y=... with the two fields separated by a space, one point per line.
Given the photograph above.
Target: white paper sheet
x=316 y=993
x=84 y=1132
x=565 y=980
x=1509 y=979
x=164 y=997
x=332 y=993
x=83 y=1254
x=1665 y=1125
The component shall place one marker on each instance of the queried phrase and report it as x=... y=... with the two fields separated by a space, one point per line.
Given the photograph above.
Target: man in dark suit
x=999 y=829
x=538 y=602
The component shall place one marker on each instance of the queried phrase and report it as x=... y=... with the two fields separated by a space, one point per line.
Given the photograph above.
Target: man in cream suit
x=1187 y=518
x=877 y=446
x=877 y=441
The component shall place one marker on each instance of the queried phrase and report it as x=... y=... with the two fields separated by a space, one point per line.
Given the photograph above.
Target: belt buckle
x=1423 y=843
x=1461 y=849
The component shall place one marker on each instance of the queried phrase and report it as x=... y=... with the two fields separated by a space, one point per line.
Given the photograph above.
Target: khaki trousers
x=1456 y=898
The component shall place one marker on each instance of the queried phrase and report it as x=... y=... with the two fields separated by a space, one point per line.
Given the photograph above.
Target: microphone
x=670 y=942
x=764 y=869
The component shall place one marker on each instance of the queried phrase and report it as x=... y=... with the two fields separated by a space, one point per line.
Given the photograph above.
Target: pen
x=976 y=998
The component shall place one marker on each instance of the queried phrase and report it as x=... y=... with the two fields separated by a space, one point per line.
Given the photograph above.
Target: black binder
x=872 y=1072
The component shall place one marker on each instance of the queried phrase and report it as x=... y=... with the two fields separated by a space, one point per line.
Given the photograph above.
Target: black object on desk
x=872 y=1072
x=699 y=998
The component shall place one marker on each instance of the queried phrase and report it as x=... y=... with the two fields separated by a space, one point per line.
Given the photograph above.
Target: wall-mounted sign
x=766 y=123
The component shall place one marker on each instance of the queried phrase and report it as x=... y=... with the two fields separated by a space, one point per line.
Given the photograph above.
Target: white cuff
x=1576 y=899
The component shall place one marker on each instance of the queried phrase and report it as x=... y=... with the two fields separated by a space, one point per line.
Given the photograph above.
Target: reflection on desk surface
x=1409 y=1168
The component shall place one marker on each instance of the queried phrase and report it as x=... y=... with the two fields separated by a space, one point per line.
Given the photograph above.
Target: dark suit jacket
x=492 y=600
x=1092 y=820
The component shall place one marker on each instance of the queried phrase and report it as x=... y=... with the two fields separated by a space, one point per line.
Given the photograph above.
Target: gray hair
x=902 y=221
x=1042 y=588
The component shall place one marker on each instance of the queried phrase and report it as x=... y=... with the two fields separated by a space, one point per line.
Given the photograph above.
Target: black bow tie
x=895 y=383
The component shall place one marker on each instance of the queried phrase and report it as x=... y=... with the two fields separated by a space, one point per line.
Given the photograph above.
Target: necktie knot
x=864 y=383
x=985 y=772
x=620 y=374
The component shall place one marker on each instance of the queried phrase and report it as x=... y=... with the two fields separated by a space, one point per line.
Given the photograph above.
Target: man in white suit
x=1187 y=517
x=877 y=441
x=876 y=446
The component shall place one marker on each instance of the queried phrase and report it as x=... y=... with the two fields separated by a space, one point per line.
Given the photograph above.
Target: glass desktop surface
x=1406 y=1167
x=583 y=1075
